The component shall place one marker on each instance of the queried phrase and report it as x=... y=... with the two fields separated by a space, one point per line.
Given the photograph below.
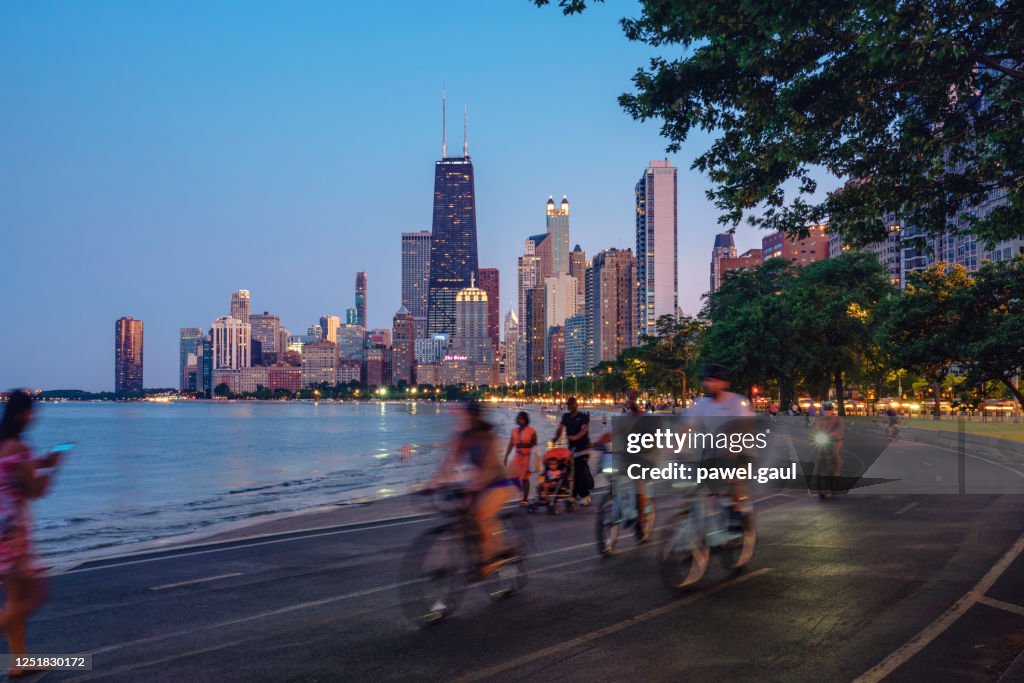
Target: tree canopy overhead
x=920 y=104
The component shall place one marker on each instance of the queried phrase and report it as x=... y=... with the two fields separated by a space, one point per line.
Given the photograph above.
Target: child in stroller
x=555 y=482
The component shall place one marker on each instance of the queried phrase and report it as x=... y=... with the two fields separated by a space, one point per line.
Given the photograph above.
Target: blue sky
x=157 y=156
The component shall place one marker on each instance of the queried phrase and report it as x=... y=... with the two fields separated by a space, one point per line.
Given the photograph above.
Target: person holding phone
x=22 y=478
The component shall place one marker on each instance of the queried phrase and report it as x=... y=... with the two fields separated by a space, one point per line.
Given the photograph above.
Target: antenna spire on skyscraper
x=444 y=128
x=465 y=130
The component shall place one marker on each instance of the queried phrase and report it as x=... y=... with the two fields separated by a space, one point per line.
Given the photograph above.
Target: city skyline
x=263 y=159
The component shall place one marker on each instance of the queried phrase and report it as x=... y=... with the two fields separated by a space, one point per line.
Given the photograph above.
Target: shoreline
x=359 y=509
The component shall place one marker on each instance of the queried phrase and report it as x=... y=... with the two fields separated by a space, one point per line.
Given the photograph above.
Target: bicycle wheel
x=512 y=577
x=738 y=553
x=682 y=559
x=608 y=525
x=434 y=574
x=824 y=480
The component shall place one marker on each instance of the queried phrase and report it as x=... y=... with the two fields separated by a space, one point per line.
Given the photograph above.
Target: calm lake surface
x=146 y=471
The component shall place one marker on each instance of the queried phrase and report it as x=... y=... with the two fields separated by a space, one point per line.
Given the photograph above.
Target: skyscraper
x=610 y=305
x=329 y=327
x=241 y=306
x=403 y=350
x=558 y=235
x=488 y=280
x=190 y=341
x=578 y=269
x=128 y=355
x=725 y=247
x=231 y=343
x=657 y=245
x=360 y=299
x=416 y=277
x=576 y=346
x=471 y=335
x=511 y=346
x=266 y=329
x=529 y=274
x=453 y=249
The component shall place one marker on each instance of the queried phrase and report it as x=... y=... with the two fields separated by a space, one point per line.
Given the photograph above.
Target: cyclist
x=477 y=446
x=832 y=425
x=719 y=402
x=523 y=440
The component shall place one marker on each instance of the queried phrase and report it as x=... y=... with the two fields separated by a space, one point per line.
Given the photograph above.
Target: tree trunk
x=937 y=390
x=838 y=382
x=1013 y=390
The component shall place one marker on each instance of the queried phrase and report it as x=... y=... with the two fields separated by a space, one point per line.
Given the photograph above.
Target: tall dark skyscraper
x=453 y=254
x=361 y=298
x=128 y=355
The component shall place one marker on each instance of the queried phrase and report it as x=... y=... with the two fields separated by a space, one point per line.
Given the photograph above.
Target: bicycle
x=617 y=509
x=825 y=469
x=707 y=523
x=444 y=561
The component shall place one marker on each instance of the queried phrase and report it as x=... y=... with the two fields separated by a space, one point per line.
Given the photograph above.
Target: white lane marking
x=194 y=581
x=1000 y=604
x=241 y=546
x=482 y=674
x=906 y=508
x=933 y=630
x=163 y=660
x=926 y=463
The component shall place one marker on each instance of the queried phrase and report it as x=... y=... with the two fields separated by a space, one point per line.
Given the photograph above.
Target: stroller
x=555 y=482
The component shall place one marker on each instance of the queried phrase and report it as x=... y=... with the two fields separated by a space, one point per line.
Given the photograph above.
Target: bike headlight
x=821 y=439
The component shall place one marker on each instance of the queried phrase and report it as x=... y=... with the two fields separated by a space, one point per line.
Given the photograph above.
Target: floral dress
x=15 y=544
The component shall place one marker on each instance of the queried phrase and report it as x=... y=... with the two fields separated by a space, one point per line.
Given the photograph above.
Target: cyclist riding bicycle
x=634 y=409
x=476 y=445
x=833 y=427
x=720 y=403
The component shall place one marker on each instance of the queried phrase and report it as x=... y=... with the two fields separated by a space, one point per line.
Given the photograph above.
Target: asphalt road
x=904 y=579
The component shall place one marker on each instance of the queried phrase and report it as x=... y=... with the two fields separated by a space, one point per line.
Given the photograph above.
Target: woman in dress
x=21 y=479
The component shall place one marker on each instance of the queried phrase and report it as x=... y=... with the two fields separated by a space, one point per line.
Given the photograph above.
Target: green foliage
x=921 y=102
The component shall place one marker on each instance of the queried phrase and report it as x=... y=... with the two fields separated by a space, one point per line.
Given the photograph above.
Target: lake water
x=146 y=471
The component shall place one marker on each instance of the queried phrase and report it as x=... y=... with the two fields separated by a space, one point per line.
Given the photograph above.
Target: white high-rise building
x=511 y=346
x=657 y=245
x=231 y=343
x=560 y=299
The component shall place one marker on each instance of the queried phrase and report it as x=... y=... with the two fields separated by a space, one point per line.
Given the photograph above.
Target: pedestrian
x=22 y=478
x=523 y=440
x=576 y=425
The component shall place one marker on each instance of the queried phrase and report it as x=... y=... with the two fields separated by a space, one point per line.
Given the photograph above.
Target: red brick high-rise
x=488 y=280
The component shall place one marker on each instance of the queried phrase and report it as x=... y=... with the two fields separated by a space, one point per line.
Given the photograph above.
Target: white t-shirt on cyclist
x=731 y=405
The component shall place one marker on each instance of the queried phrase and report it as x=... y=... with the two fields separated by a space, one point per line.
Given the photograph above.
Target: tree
x=925 y=324
x=921 y=102
x=749 y=331
x=222 y=390
x=832 y=306
x=992 y=328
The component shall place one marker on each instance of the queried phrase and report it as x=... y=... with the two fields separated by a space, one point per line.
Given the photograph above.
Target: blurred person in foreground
x=477 y=446
x=718 y=402
x=22 y=478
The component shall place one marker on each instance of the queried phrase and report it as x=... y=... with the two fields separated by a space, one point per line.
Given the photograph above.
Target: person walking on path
x=576 y=425
x=523 y=440
x=22 y=478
